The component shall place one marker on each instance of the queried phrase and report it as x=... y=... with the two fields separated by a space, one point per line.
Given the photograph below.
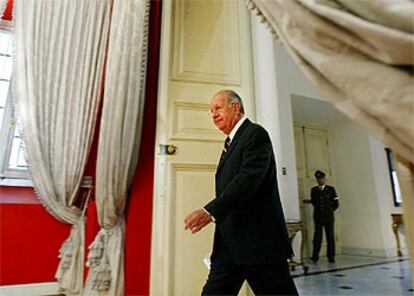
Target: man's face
x=225 y=115
x=321 y=181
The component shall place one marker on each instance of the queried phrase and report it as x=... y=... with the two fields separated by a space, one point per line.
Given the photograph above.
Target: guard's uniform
x=325 y=202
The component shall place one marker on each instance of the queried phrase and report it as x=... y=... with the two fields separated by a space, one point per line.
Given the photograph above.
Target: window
x=394 y=178
x=12 y=160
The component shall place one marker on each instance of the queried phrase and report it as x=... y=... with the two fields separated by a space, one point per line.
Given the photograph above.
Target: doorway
x=312 y=153
x=312 y=121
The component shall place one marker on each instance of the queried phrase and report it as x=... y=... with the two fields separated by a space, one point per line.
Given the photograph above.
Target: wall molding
x=34 y=289
x=184 y=118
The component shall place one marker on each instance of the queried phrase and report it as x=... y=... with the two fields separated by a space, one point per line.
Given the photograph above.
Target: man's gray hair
x=232 y=97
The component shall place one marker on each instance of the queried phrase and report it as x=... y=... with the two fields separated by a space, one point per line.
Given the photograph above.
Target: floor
x=356 y=275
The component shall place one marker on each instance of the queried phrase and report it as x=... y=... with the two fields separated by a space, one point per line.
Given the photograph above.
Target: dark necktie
x=226 y=145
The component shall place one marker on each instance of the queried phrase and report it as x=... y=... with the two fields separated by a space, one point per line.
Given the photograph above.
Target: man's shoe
x=331 y=260
x=314 y=260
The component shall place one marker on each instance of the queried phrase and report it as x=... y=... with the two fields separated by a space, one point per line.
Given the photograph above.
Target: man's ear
x=236 y=108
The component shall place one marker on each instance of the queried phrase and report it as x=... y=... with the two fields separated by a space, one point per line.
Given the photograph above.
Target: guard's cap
x=319 y=174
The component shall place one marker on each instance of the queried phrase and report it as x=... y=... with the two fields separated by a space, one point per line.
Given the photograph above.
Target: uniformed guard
x=325 y=201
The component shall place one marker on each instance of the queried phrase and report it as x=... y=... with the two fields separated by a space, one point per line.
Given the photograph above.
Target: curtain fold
x=119 y=141
x=70 y=272
x=59 y=49
x=360 y=55
x=364 y=68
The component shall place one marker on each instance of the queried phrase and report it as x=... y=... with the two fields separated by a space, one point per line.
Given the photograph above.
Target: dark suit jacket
x=325 y=203
x=247 y=208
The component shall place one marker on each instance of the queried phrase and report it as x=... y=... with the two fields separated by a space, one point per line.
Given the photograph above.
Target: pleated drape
x=59 y=52
x=359 y=54
x=119 y=141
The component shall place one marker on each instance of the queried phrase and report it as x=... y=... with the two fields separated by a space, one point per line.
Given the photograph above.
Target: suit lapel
x=233 y=143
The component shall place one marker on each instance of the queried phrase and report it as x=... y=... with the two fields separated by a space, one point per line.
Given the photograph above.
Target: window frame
x=9 y=177
x=392 y=169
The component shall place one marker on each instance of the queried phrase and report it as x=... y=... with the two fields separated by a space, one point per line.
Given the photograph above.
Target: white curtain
x=360 y=55
x=58 y=65
x=119 y=141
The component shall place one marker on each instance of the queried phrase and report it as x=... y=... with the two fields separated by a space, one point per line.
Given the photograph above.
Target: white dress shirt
x=236 y=128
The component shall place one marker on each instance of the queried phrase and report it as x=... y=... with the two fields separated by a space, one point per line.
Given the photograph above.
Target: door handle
x=167 y=149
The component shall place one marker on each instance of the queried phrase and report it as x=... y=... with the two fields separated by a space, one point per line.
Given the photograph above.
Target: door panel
x=191 y=248
x=205 y=42
x=316 y=151
x=305 y=211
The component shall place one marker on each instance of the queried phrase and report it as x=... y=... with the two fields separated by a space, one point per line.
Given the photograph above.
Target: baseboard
x=383 y=253
x=35 y=289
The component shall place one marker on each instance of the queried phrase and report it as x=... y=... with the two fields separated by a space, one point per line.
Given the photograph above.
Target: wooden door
x=205 y=47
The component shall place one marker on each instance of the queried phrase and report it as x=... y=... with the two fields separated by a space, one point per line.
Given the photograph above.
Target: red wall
x=8 y=11
x=30 y=237
x=23 y=224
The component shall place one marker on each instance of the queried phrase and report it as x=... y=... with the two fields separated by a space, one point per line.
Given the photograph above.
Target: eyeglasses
x=218 y=109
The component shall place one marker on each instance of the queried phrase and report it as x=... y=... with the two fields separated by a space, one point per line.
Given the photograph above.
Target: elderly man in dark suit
x=250 y=241
x=325 y=202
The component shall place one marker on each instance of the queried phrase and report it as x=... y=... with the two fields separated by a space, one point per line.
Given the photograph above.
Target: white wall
x=384 y=197
x=363 y=184
x=358 y=214
x=274 y=113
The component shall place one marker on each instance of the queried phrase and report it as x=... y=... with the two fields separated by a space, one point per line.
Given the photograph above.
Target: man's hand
x=197 y=220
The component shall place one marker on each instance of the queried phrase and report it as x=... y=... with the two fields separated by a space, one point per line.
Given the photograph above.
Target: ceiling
x=308 y=110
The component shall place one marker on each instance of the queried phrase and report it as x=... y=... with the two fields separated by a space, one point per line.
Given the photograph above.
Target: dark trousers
x=226 y=278
x=330 y=239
